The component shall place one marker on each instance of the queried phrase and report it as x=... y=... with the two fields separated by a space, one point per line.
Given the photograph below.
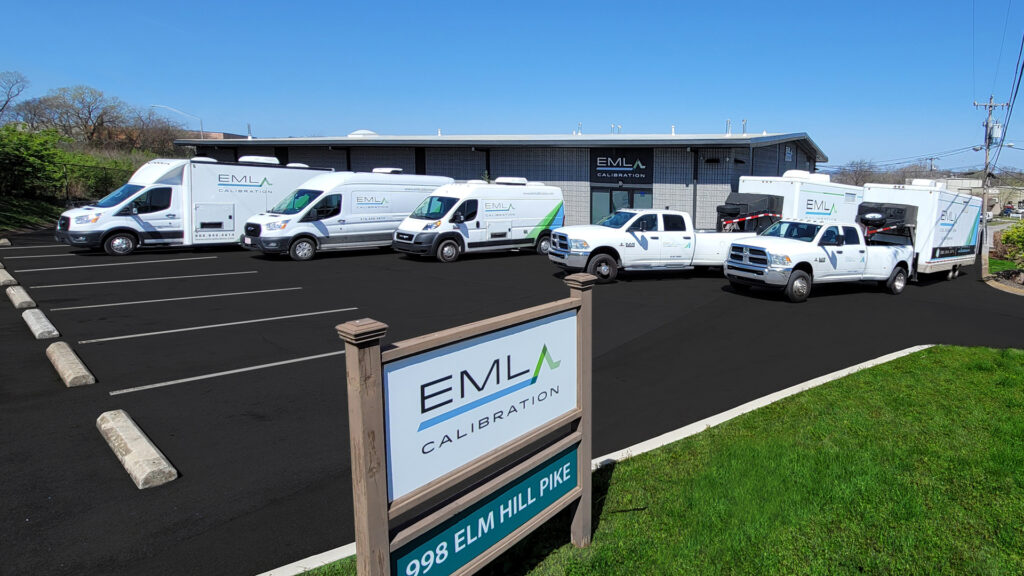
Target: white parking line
x=118 y=264
x=175 y=299
x=142 y=280
x=38 y=256
x=143 y=335
x=30 y=247
x=226 y=373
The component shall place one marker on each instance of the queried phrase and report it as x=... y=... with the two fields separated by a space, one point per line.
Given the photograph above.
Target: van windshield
x=433 y=207
x=118 y=196
x=616 y=220
x=295 y=202
x=801 y=231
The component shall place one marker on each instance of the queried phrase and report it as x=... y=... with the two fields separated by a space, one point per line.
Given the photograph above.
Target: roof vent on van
x=927 y=182
x=509 y=181
x=476 y=181
x=535 y=184
x=203 y=159
x=805 y=175
x=387 y=170
x=260 y=160
x=361 y=133
x=297 y=165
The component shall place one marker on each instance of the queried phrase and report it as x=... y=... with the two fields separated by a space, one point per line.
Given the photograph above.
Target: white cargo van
x=944 y=225
x=480 y=217
x=177 y=202
x=763 y=200
x=343 y=210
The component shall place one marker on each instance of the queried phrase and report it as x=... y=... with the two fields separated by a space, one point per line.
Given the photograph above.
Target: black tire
x=897 y=280
x=604 y=267
x=738 y=286
x=543 y=245
x=302 y=249
x=448 y=251
x=799 y=287
x=120 y=244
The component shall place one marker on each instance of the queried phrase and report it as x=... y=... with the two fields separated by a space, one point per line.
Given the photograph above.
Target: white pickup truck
x=792 y=255
x=638 y=240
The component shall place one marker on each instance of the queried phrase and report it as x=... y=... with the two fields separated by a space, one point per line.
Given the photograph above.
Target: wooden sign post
x=466 y=440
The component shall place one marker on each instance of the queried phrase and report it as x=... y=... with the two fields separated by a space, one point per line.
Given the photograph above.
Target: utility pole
x=983 y=248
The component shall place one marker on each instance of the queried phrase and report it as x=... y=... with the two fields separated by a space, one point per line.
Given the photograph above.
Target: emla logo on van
x=432 y=398
x=371 y=201
x=821 y=207
x=242 y=181
x=498 y=207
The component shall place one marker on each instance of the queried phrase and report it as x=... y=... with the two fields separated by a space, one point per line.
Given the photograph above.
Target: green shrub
x=1013 y=240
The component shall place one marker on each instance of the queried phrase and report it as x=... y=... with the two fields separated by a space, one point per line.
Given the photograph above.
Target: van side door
x=468 y=221
x=158 y=214
x=324 y=217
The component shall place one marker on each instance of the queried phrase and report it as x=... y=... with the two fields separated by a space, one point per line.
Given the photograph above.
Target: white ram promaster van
x=481 y=217
x=944 y=225
x=343 y=210
x=763 y=200
x=181 y=203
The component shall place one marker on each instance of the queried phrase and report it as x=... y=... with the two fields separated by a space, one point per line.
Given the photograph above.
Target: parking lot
x=230 y=363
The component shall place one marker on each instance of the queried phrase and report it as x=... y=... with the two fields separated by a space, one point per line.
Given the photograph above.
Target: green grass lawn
x=912 y=467
x=996 y=265
x=22 y=213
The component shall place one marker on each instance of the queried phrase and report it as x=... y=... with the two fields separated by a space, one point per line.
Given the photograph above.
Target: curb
x=1003 y=287
x=40 y=326
x=68 y=365
x=347 y=550
x=20 y=298
x=146 y=465
x=6 y=279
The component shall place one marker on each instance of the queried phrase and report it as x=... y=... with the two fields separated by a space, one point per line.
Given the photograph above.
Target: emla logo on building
x=445 y=396
x=619 y=164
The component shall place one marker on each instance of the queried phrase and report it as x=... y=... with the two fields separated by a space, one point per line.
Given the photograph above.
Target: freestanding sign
x=465 y=440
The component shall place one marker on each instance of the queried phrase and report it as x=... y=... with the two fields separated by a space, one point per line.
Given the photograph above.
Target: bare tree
x=12 y=84
x=857 y=173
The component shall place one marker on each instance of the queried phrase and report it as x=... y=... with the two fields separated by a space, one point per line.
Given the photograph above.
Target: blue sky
x=866 y=80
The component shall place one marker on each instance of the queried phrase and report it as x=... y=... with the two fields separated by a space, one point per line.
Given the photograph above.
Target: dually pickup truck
x=638 y=240
x=792 y=255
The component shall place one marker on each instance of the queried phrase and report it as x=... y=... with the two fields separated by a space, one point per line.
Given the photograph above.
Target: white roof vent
x=805 y=175
x=297 y=165
x=476 y=182
x=260 y=160
x=927 y=182
x=203 y=159
x=535 y=184
x=362 y=133
x=387 y=170
x=509 y=181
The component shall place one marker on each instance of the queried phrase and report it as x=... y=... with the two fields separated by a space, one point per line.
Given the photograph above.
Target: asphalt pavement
x=229 y=361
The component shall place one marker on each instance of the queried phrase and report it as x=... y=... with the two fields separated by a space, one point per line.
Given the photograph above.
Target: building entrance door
x=605 y=201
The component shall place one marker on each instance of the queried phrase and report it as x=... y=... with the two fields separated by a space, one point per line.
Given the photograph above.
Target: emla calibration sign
x=450 y=406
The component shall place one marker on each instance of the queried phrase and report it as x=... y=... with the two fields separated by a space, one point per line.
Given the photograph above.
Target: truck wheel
x=897 y=281
x=543 y=244
x=799 y=287
x=302 y=249
x=604 y=267
x=120 y=244
x=448 y=251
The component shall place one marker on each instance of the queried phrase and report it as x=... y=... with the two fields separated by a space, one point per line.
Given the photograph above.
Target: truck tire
x=799 y=287
x=604 y=267
x=543 y=245
x=120 y=244
x=448 y=251
x=897 y=281
x=302 y=249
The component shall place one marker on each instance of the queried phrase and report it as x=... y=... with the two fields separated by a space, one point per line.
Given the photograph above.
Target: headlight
x=88 y=218
x=778 y=260
x=432 y=225
x=579 y=244
x=279 y=225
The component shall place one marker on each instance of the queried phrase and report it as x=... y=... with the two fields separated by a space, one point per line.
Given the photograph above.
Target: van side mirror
x=458 y=218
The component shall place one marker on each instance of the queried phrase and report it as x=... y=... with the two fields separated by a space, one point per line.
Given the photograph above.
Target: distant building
x=597 y=173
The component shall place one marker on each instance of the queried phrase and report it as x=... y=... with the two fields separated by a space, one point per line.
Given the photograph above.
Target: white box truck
x=178 y=202
x=476 y=216
x=763 y=200
x=339 y=211
x=944 y=225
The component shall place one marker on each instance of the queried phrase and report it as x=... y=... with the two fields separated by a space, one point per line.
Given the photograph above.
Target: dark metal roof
x=542 y=140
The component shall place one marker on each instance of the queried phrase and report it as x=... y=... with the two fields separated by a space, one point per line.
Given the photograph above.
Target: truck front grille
x=560 y=241
x=252 y=229
x=748 y=255
x=404 y=237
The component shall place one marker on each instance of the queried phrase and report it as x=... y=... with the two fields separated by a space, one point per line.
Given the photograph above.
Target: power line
x=999 y=59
